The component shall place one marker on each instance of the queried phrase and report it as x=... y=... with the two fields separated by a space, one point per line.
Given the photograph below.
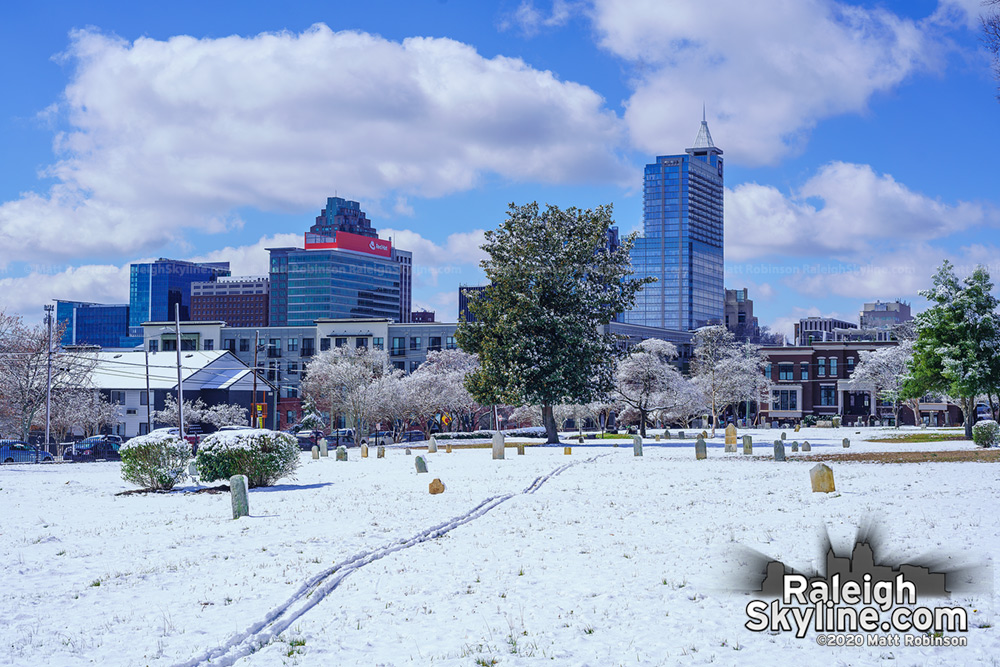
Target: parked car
x=413 y=436
x=192 y=436
x=343 y=436
x=95 y=448
x=307 y=439
x=18 y=451
x=380 y=438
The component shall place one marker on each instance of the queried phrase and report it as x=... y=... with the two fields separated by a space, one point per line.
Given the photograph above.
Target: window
x=291 y=392
x=767 y=370
x=399 y=365
x=785 y=371
x=293 y=344
x=209 y=344
x=308 y=347
x=324 y=344
x=143 y=428
x=274 y=348
x=434 y=344
x=450 y=342
x=398 y=347
x=828 y=396
x=414 y=365
x=118 y=397
x=293 y=368
x=804 y=370
x=833 y=367
x=169 y=345
x=850 y=366
x=340 y=342
x=290 y=417
x=130 y=411
x=378 y=343
x=154 y=345
x=189 y=344
x=360 y=342
x=414 y=342
x=784 y=399
x=821 y=367
x=143 y=398
x=244 y=345
x=230 y=344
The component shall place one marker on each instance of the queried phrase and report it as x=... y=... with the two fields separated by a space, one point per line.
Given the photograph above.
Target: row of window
x=825 y=367
x=787 y=399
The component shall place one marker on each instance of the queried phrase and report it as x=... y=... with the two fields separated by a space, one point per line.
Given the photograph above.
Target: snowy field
x=597 y=558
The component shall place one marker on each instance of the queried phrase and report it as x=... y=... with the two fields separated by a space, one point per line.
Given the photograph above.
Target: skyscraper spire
x=704 y=139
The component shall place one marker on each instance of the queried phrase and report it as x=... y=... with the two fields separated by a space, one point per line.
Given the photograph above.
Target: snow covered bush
x=154 y=461
x=263 y=456
x=986 y=433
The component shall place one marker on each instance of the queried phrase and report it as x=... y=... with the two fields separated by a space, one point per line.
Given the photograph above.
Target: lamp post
x=180 y=381
x=48 y=382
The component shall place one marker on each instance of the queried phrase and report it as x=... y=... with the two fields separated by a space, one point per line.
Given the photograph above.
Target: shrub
x=263 y=456
x=986 y=433
x=155 y=461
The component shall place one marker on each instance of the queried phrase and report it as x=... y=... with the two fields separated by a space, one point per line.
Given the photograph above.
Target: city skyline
x=208 y=135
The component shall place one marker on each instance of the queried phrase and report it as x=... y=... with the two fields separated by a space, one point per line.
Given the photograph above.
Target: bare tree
x=990 y=20
x=647 y=379
x=349 y=381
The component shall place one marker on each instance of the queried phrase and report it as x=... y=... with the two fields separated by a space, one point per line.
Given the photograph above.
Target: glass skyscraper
x=155 y=287
x=92 y=323
x=682 y=243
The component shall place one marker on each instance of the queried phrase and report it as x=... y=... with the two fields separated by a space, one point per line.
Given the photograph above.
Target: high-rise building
x=682 y=242
x=155 y=287
x=739 y=315
x=92 y=323
x=882 y=315
x=239 y=302
x=343 y=271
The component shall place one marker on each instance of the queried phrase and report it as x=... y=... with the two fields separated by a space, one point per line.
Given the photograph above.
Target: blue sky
x=860 y=137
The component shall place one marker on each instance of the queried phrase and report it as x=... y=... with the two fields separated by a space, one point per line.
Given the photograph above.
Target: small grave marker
x=637 y=446
x=520 y=449
x=315 y=452
x=806 y=447
x=408 y=452
x=380 y=452
x=795 y=447
x=700 y=449
x=432 y=446
x=447 y=448
x=783 y=435
x=567 y=450
x=436 y=487
x=680 y=435
x=420 y=464
x=731 y=436
x=798 y=427
x=238 y=490
x=364 y=451
x=341 y=453
x=666 y=435
x=747 y=444
x=779 y=450
x=847 y=443
x=821 y=477
x=497 y=446
x=324 y=449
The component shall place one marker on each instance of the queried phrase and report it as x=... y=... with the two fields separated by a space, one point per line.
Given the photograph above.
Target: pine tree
x=553 y=283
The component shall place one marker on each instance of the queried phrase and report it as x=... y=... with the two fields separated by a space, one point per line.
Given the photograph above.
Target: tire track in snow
x=317 y=587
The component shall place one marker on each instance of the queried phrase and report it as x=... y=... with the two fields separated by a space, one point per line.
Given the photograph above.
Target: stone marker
x=798 y=427
x=767 y=426
x=806 y=447
x=364 y=451
x=747 y=444
x=436 y=487
x=704 y=434
x=700 y=449
x=784 y=435
x=380 y=452
x=847 y=442
x=420 y=464
x=836 y=422
x=779 y=450
x=520 y=449
x=730 y=448
x=447 y=448
x=731 y=436
x=680 y=435
x=315 y=451
x=238 y=490
x=192 y=471
x=580 y=439
x=666 y=435
x=497 y=446
x=795 y=447
x=408 y=452
x=567 y=450
x=341 y=453
x=637 y=446
x=821 y=477
x=324 y=448
x=774 y=425
x=657 y=438
x=432 y=446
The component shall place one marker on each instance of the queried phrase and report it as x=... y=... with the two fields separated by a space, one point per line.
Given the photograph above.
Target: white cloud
x=252 y=260
x=530 y=20
x=785 y=324
x=845 y=210
x=98 y=283
x=768 y=70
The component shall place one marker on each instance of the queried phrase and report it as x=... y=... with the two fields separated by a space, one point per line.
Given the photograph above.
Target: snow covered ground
x=597 y=558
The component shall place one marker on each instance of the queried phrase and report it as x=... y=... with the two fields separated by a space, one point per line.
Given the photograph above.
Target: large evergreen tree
x=957 y=351
x=553 y=283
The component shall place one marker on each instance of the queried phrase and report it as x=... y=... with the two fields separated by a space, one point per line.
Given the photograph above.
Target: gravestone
x=666 y=435
x=680 y=435
x=637 y=446
x=766 y=426
x=408 y=452
x=324 y=449
x=779 y=450
x=447 y=448
x=341 y=453
x=238 y=490
x=432 y=446
x=798 y=427
x=497 y=446
x=580 y=440
x=315 y=451
x=192 y=471
x=821 y=477
x=731 y=435
x=806 y=447
x=380 y=452
x=657 y=438
x=436 y=487
x=795 y=447
x=774 y=425
x=836 y=422
x=700 y=449
x=364 y=451
x=420 y=463
x=704 y=434
x=520 y=449
x=783 y=435
x=747 y=444
x=567 y=450
x=847 y=443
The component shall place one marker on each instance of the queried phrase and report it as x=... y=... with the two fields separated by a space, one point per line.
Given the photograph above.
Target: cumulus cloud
x=842 y=210
x=768 y=70
x=98 y=283
x=530 y=20
x=164 y=136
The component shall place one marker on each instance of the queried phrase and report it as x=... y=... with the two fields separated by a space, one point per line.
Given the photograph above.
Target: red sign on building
x=355 y=242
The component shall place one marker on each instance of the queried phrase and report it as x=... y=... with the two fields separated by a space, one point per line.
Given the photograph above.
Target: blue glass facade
x=92 y=323
x=682 y=244
x=155 y=287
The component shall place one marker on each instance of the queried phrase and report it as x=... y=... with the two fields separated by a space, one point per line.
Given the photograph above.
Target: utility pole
x=48 y=382
x=253 y=401
x=149 y=396
x=180 y=385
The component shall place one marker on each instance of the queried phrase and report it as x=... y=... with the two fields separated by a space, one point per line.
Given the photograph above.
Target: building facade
x=239 y=302
x=739 y=317
x=811 y=330
x=882 y=315
x=155 y=288
x=682 y=242
x=92 y=323
x=422 y=316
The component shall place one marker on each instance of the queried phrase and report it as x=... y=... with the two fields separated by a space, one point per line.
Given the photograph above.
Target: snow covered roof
x=207 y=369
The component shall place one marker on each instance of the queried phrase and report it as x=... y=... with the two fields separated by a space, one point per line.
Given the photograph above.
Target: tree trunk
x=549 y=421
x=969 y=408
x=642 y=422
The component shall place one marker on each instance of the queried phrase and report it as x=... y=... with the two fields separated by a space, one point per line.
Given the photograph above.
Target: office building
x=92 y=323
x=739 y=317
x=422 y=316
x=239 y=302
x=467 y=293
x=339 y=273
x=155 y=288
x=882 y=315
x=682 y=242
x=811 y=330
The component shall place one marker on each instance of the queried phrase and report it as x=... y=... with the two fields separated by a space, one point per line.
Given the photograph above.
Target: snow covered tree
x=349 y=381
x=554 y=282
x=743 y=376
x=441 y=382
x=957 y=350
x=713 y=349
x=689 y=402
x=168 y=416
x=884 y=372
x=991 y=32
x=647 y=379
x=224 y=414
